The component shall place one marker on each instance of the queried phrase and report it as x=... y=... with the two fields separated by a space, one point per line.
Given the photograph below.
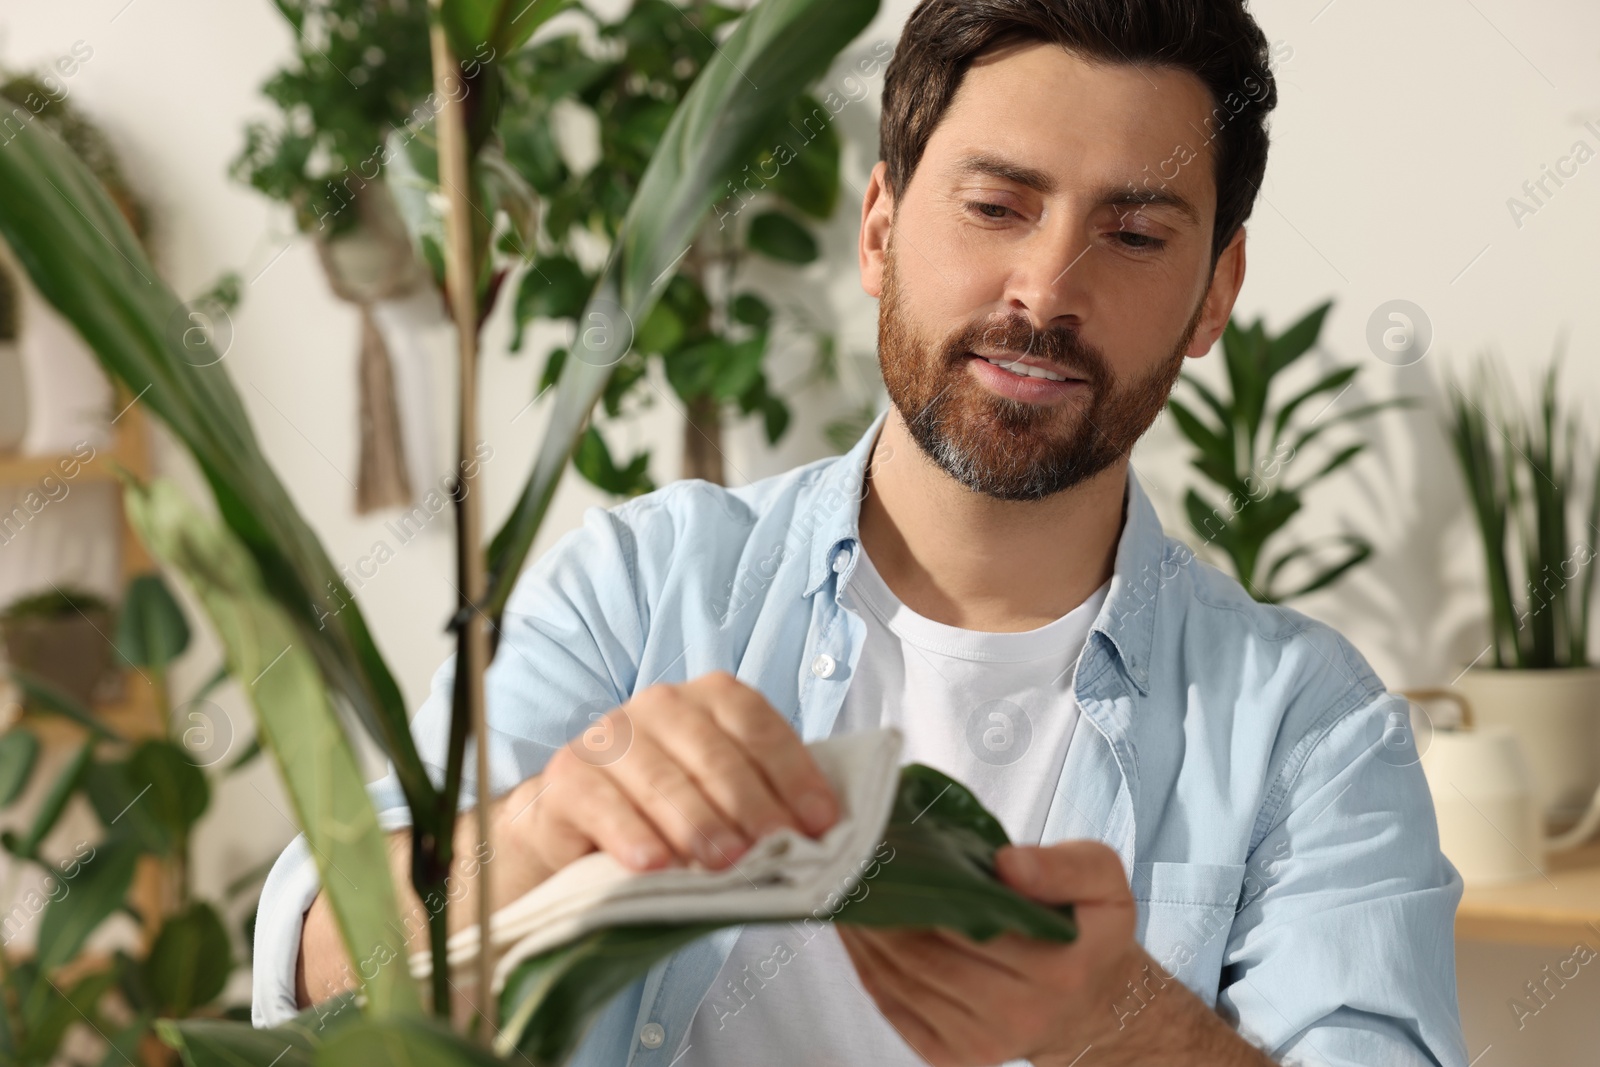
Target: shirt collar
x=1128 y=616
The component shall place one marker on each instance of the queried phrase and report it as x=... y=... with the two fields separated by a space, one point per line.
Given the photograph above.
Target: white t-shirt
x=995 y=711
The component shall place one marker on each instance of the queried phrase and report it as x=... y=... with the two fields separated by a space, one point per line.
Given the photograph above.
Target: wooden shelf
x=1558 y=910
x=22 y=471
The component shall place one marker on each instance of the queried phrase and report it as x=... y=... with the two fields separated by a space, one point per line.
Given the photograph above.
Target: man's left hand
x=963 y=1003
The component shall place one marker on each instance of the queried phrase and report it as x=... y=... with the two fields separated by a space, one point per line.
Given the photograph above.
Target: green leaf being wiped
x=934 y=866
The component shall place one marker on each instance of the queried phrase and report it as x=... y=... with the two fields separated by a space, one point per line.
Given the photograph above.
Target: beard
x=1005 y=448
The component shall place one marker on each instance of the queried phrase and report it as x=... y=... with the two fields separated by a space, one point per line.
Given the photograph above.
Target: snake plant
x=1525 y=475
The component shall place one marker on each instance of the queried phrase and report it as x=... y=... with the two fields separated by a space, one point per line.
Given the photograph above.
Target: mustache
x=1061 y=347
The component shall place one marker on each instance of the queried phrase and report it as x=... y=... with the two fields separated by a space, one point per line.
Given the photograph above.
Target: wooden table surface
x=1559 y=909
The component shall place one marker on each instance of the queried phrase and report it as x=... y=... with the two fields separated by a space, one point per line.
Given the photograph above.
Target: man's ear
x=1226 y=280
x=877 y=217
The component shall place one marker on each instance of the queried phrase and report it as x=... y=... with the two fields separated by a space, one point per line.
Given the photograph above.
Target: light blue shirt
x=1258 y=782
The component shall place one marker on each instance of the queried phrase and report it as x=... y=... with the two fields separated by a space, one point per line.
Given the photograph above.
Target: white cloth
x=785 y=873
x=995 y=711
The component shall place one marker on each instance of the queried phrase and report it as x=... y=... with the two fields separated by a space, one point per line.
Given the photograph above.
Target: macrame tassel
x=383 y=479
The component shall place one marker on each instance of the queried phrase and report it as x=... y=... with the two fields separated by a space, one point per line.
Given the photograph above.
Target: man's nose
x=1050 y=277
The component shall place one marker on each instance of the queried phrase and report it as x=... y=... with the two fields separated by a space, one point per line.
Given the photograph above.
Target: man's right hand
x=694 y=771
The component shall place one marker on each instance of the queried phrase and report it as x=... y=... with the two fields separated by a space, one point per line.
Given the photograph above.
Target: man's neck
x=969 y=560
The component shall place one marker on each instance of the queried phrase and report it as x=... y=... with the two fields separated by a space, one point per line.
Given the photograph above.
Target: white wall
x=1402 y=131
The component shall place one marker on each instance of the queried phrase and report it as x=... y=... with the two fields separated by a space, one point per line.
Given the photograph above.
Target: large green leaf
x=220 y=1043
x=1223 y=412
x=1215 y=445
x=776 y=50
x=91 y=896
x=151 y=629
x=332 y=1034
x=190 y=960
x=774 y=234
x=402 y=1043
x=175 y=790
x=299 y=727
x=18 y=750
x=549 y=1001
x=120 y=803
x=1297 y=340
x=935 y=867
x=82 y=257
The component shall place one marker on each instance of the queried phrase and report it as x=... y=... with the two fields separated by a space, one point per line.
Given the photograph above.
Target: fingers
x=709 y=767
x=584 y=810
x=720 y=768
x=769 y=741
x=678 y=806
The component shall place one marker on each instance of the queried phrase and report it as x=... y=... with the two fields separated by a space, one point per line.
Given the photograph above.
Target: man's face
x=1033 y=234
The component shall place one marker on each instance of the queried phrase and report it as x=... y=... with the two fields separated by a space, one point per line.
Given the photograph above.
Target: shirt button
x=651 y=1035
x=822 y=666
x=841 y=560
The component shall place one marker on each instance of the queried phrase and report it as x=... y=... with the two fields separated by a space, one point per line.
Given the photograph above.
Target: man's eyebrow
x=1127 y=196
x=996 y=167
x=1043 y=182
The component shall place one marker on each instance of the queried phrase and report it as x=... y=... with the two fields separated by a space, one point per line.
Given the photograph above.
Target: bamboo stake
x=461 y=283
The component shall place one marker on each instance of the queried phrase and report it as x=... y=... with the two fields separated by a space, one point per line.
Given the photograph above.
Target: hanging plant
x=359 y=71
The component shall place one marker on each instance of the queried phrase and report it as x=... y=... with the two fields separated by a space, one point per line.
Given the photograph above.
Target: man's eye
x=1140 y=242
x=989 y=211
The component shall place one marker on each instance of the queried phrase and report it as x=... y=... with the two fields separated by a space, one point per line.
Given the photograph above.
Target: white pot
x=1489 y=821
x=1555 y=715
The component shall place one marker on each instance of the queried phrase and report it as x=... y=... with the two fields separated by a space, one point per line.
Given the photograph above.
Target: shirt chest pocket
x=1186 y=916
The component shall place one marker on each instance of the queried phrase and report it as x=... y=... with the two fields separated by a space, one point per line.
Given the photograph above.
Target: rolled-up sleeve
x=569 y=651
x=1343 y=949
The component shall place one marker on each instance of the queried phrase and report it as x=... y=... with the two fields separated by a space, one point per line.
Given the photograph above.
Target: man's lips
x=1016 y=384
x=1026 y=366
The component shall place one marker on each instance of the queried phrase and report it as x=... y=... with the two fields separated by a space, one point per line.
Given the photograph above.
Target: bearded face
x=1043 y=412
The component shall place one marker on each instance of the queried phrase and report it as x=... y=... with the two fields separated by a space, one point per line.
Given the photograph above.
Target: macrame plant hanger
x=370 y=263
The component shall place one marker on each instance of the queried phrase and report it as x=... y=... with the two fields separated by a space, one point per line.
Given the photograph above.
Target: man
x=1056 y=225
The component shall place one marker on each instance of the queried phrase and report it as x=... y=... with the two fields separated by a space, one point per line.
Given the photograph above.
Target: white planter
x=1556 y=717
x=1489 y=821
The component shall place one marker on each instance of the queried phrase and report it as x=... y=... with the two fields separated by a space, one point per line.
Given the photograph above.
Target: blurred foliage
x=46 y=99
x=1526 y=474
x=710 y=333
x=360 y=69
x=147 y=796
x=1246 y=449
x=56 y=604
x=260 y=570
x=361 y=73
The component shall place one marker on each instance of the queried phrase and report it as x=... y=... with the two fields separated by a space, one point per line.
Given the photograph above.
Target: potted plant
x=1248 y=450
x=147 y=795
x=59 y=636
x=258 y=568
x=1527 y=477
x=710 y=332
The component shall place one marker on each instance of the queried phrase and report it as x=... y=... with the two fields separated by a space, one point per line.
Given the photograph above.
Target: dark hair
x=1216 y=40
